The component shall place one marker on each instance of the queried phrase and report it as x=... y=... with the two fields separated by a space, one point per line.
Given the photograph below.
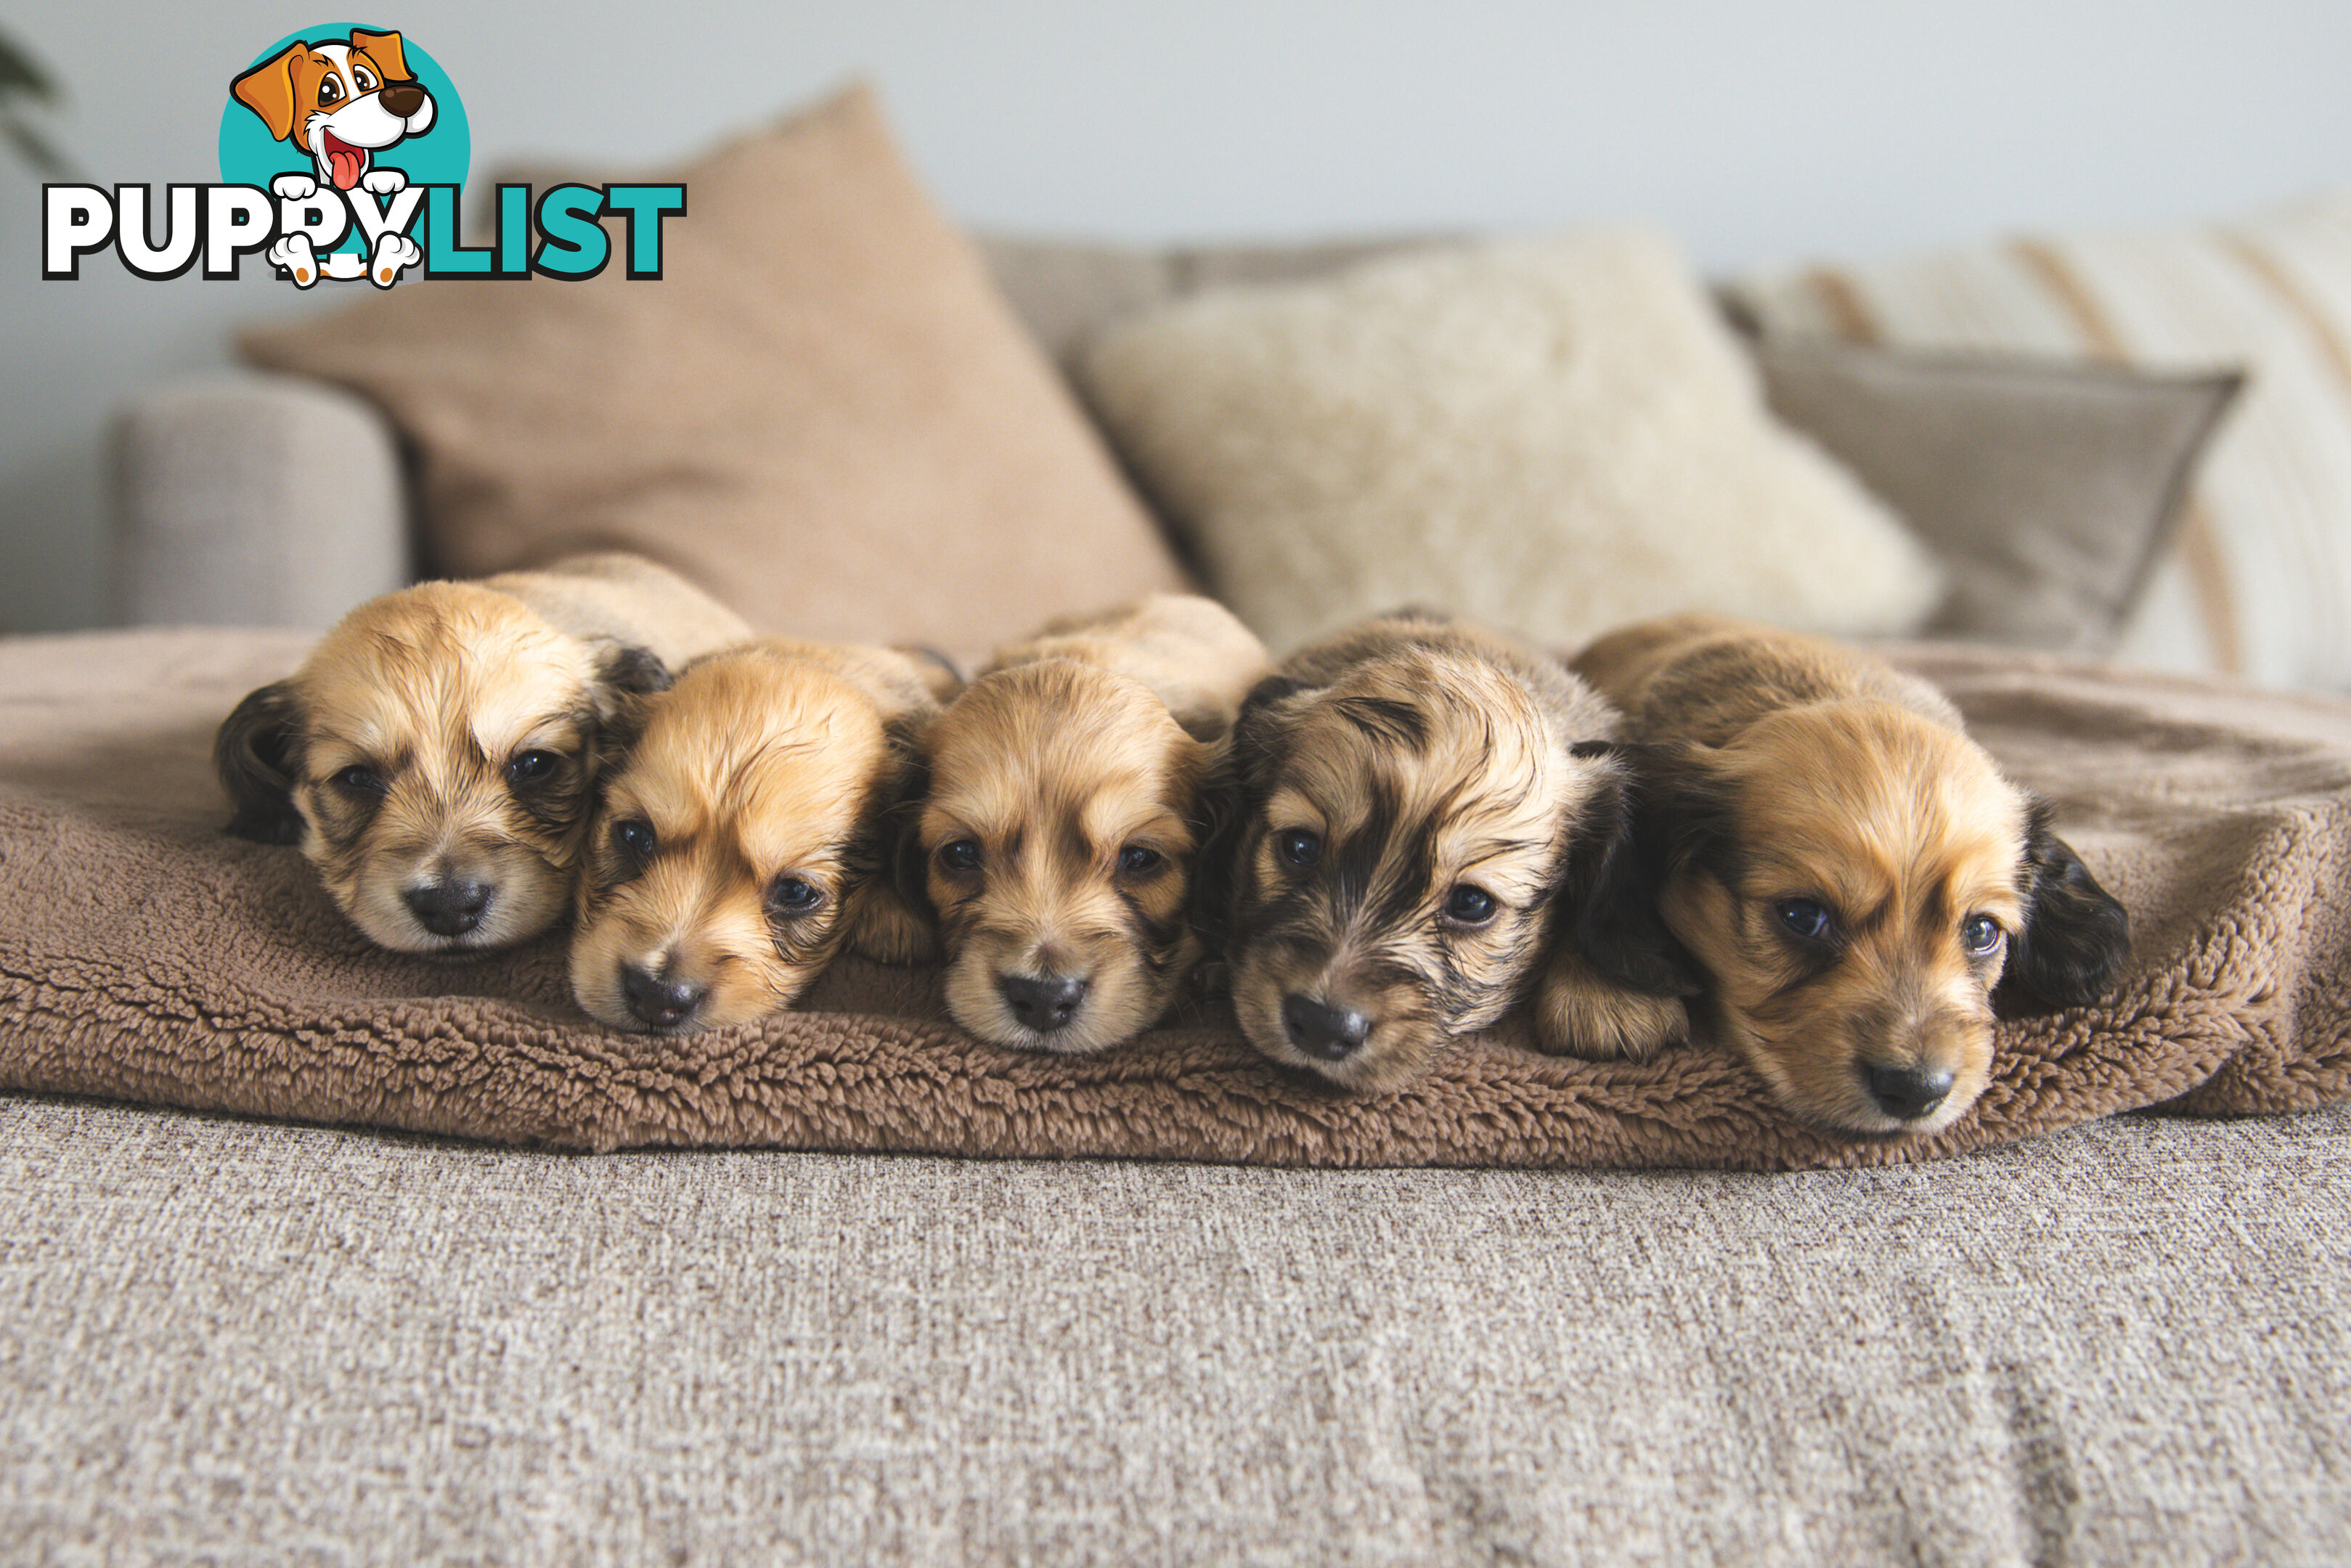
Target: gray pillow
x=2050 y=489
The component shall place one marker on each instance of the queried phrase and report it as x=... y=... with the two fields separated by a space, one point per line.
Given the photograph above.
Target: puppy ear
x=385 y=50
x=902 y=838
x=939 y=675
x=2076 y=934
x=1647 y=818
x=1233 y=779
x=267 y=89
x=257 y=753
x=888 y=920
x=626 y=678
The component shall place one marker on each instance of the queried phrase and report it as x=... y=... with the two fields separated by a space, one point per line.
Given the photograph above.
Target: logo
x=344 y=154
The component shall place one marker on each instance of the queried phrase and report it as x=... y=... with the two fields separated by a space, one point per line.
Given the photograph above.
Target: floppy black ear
x=1645 y=819
x=901 y=837
x=2076 y=934
x=1235 y=778
x=625 y=677
x=257 y=753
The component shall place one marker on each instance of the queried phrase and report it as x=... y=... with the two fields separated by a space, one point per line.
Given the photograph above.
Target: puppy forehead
x=784 y=756
x=444 y=661
x=1056 y=739
x=1443 y=745
x=1873 y=794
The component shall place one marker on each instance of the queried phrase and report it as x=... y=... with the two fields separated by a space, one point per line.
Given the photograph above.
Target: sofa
x=389 y=1272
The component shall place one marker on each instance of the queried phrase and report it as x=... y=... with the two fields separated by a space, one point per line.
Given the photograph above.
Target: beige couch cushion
x=1554 y=436
x=823 y=410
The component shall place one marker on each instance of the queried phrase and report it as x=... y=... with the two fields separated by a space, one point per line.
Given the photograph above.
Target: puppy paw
x=294 y=187
x=393 y=253
x=1581 y=1012
x=383 y=182
x=293 y=252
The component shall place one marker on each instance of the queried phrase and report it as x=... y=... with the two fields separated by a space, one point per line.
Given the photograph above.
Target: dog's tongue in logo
x=343 y=160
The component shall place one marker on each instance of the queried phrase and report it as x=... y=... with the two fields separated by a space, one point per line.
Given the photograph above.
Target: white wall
x=1760 y=131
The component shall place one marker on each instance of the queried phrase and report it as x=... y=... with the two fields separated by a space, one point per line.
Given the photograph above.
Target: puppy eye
x=330 y=90
x=357 y=780
x=634 y=837
x=1138 y=859
x=532 y=767
x=793 y=895
x=961 y=856
x=361 y=80
x=1806 y=918
x=1470 y=906
x=1981 y=934
x=1299 y=847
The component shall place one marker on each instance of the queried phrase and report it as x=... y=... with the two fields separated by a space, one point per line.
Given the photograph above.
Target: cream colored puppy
x=1063 y=810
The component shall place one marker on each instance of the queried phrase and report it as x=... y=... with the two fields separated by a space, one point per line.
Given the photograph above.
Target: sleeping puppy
x=1415 y=798
x=737 y=846
x=1827 y=853
x=1062 y=815
x=437 y=753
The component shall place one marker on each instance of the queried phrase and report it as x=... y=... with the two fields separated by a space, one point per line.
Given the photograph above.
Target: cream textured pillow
x=822 y=411
x=1553 y=435
x=2260 y=581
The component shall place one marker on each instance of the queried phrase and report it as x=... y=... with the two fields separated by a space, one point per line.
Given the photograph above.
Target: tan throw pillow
x=2259 y=582
x=823 y=410
x=1551 y=435
x=2050 y=489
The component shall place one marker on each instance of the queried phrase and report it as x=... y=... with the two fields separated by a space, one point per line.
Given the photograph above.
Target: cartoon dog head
x=341 y=102
x=435 y=758
x=740 y=843
x=1413 y=798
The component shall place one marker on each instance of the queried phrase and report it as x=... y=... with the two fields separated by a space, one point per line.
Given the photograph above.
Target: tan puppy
x=741 y=842
x=437 y=753
x=1062 y=815
x=1847 y=874
x=1415 y=797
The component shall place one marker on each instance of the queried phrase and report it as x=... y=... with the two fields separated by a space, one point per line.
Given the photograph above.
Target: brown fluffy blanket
x=145 y=956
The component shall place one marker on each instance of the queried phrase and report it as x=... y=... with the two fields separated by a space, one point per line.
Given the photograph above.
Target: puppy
x=1849 y=876
x=741 y=842
x=437 y=756
x=341 y=102
x=1062 y=815
x=1415 y=798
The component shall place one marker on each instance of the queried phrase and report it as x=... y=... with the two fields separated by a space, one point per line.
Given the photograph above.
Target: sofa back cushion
x=823 y=410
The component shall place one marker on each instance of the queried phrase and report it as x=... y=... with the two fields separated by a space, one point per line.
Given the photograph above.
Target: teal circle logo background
x=440 y=156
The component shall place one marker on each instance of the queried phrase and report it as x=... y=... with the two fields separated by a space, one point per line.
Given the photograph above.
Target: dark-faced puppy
x=1062 y=815
x=740 y=843
x=1846 y=873
x=1413 y=796
x=437 y=756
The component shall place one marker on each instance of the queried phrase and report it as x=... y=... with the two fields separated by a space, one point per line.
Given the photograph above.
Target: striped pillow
x=2259 y=582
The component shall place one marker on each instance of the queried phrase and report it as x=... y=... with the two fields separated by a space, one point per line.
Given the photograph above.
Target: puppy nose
x=1907 y=1092
x=449 y=908
x=1321 y=1029
x=402 y=97
x=1045 y=1002
x=658 y=1003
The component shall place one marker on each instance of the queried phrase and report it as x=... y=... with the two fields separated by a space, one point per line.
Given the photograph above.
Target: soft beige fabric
x=823 y=410
x=237 y=1343
x=2049 y=489
x=1553 y=435
x=145 y=956
x=2259 y=582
